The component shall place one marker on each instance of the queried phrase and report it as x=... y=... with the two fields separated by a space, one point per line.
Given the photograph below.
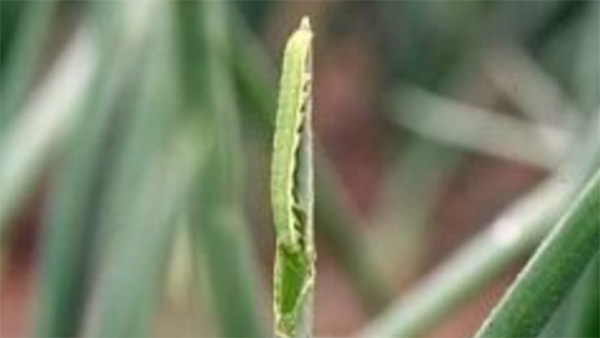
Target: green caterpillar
x=292 y=189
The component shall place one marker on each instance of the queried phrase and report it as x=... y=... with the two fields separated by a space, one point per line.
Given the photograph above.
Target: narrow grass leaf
x=551 y=272
x=148 y=183
x=73 y=217
x=133 y=273
x=221 y=243
x=46 y=122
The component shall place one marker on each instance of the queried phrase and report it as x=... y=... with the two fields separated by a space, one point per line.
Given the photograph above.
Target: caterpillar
x=292 y=189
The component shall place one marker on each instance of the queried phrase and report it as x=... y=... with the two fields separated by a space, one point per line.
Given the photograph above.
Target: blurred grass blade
x=72 y=220
x=539 y=96
x=254 y=77
x=338 y=223
x=483 y=258
x=476 y=129
x=226 y=255
x=23 y=60
x=220 y=237
x=132 y=279
x=407 y=198
x=552 y=271
x=586 y=68
x=149 y=183
x=46 y=121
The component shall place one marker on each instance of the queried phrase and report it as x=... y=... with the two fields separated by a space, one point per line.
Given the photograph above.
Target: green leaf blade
x=552 y=271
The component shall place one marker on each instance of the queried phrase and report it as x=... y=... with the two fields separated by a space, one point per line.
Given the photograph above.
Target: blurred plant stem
x=552 y=271
x=217 y=223
x=483 y=258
